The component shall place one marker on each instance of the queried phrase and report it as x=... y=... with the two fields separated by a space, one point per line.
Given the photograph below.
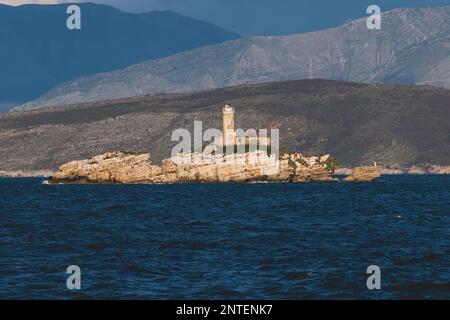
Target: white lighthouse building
x=229 y=135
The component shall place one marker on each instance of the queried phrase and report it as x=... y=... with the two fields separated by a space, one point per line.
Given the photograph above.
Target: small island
x=125 y=168
x=242 y=164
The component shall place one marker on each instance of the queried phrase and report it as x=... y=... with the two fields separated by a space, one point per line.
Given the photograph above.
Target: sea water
x=229 y=241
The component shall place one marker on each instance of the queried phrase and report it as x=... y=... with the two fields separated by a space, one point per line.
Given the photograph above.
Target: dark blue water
x=268 y=241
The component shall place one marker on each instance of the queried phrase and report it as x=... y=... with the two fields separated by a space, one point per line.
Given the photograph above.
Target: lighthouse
x=228 y=125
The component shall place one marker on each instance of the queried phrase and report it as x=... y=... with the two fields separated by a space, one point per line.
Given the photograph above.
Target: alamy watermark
x=229 y=147
x=73 y=22
x=374 y=280
x=374 y=21
x=74 y=280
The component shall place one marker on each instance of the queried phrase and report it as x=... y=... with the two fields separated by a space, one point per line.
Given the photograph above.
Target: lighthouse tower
x=228 y=125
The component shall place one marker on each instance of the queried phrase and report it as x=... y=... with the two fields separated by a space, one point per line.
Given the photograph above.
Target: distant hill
x=275 y=17
x=39 y=52
x=411 y=48
x=5 y=106
x=427 y=62
x=357 y=123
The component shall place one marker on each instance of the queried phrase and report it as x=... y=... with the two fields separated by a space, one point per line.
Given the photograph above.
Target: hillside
x=357 y=123
x=425 y=63
x=272 y=17
x=411 y=48
x=38 y=52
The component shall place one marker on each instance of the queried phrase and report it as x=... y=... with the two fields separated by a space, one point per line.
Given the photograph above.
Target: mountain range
x=412 y=47
x=272 y=17
x=394 y=125
x=38 y=52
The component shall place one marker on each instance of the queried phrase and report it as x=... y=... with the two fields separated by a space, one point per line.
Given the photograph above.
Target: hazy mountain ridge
x=357 y=123
x=426 y=63
x=38 y=52
x=350 y=52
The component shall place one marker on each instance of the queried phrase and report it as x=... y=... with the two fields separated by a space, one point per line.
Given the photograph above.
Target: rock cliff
x=121 y=167
x=364 y=174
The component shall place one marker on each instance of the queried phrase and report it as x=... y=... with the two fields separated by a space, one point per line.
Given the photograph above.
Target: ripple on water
x=268 y=241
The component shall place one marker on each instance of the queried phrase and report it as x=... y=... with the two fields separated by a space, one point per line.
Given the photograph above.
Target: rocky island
x=121 y=167
x=233 y=157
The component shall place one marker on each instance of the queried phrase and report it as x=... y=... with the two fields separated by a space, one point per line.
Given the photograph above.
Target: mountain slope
x=274 y=17
x=427 y=63
x=351 y=52
x=357 y=123
x=39 y=52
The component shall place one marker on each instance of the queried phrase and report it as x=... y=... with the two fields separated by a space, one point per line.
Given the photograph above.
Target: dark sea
x=253 y=241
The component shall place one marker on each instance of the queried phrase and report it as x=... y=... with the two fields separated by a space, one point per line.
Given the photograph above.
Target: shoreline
x=256 y=166
x=415 y=170
x=26 y=174
x=432 y=170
